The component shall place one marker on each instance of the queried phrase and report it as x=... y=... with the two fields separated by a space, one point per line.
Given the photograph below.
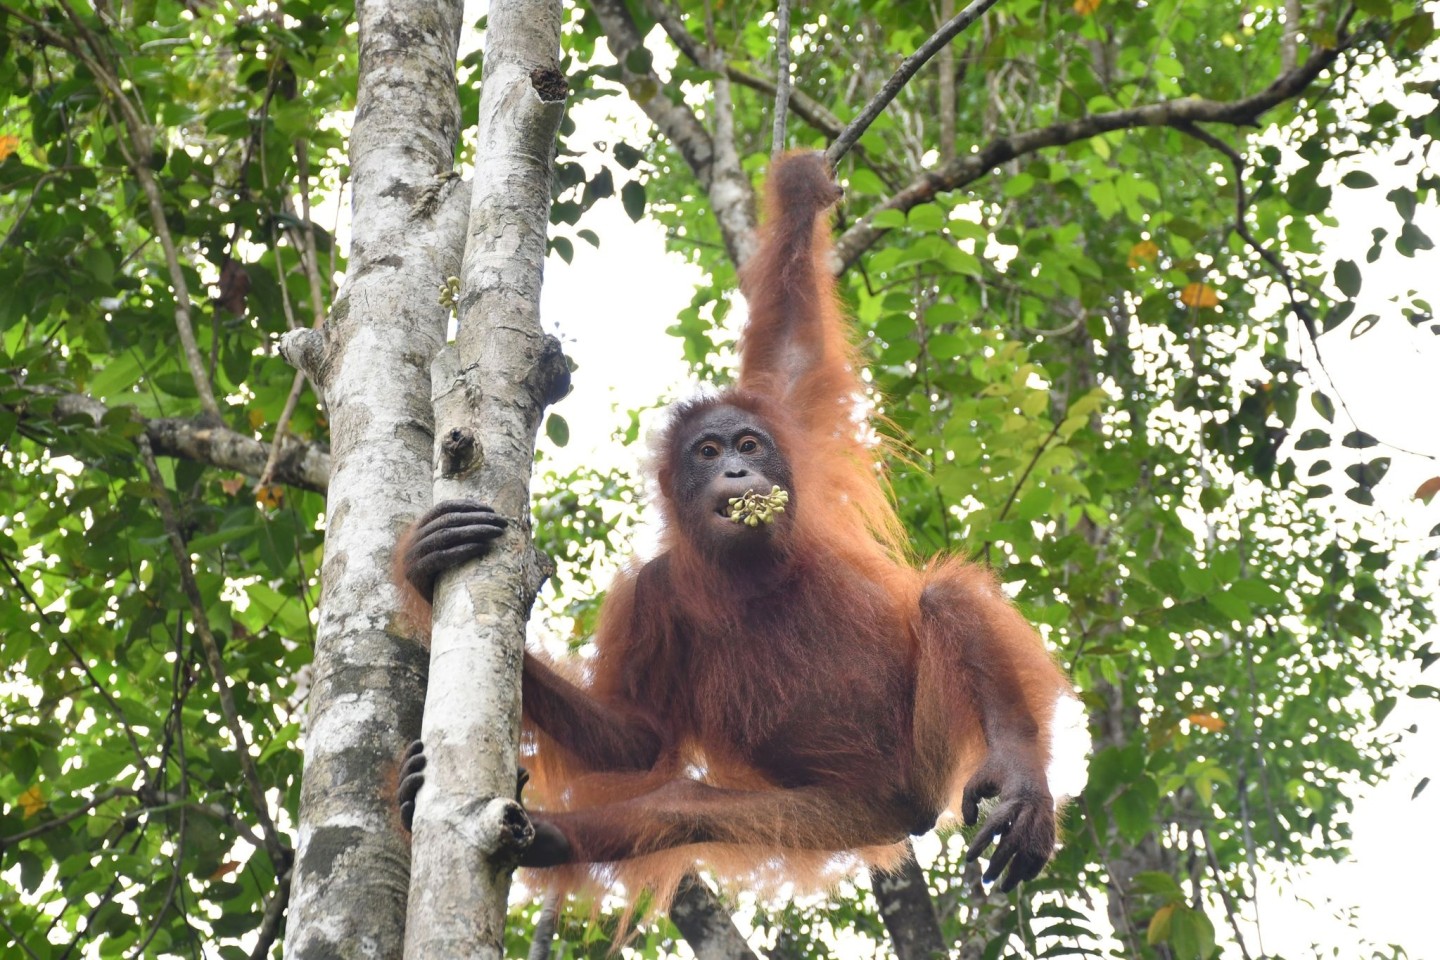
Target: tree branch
x=64 y=818
x=947 y=32
x=1242 y=229
x=907 y=910
x=782 y=76
x=274 y=913
x=971 y=167
x=803 y=105
x=946 y=95
x=310 y=264
x=300 y=464
x=1290 y=39
x=698 y=914
x=731 y=196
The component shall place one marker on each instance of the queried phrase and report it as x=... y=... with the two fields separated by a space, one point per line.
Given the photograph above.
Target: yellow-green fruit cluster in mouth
x=754 y=508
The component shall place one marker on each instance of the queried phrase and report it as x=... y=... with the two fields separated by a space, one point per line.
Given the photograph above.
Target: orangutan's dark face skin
x=725 y=453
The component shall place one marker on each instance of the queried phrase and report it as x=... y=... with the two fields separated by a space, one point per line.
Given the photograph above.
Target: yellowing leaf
x=1427 y=490
x=8 y=144
x=31 y=801
x=233 y=485
x=1086 y=7
x=1143 y=252
x=269 y=496
x=1159 y=930
x=256 y=417
x=1199 y=296
x=1209 y=721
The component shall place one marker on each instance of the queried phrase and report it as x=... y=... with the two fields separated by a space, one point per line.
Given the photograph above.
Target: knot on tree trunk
x=549 y=84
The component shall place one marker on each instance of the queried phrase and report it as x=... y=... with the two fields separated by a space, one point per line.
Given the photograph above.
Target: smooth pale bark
x=490 y=392
x=372 y=360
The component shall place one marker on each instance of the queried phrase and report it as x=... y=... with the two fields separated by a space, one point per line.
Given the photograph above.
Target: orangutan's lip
x=727 y=502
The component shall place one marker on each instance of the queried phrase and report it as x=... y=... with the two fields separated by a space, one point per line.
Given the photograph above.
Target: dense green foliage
x=1096 y=383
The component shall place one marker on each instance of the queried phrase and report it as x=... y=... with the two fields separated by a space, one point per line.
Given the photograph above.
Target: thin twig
x=65 y=818
x=969 y=167
x=782 y=76
x=545 y=927
x=949 y=31
x=282 y=427
x=137 y=155
x=1242 y=230
x=274 y=912
x=174 y=884
x=946 y=66
x=64 y=641
x=82 y=929
x=17 y=940
x=801 y=104
x=163 y=800
x=1290 y=39
x=1024 y=475
x=1224 y=895
x=279 y=854
x=310 y=263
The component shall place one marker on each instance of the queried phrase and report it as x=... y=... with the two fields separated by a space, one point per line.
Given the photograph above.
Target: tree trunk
x=490 y=392
x=372 y=360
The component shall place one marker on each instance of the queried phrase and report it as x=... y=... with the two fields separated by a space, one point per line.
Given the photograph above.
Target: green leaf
x=557 y=429
x=1323 y=405
x=632 y=197
x=286 y=735
x=1404 y=200
x=1364 y=325
x=1368 y=474
x=638 y=60
x=1152 y=881
x=1359 y=180
x=602 y=185
x=1196 y=579
x=1192 y=936
x=863 y=180
x=1313 y=440
x=1256 y=592
x=1411 y=239
x=1019 y=185
x=926 y=217
x=176 y=384
x=1358 y=440
x=888 y=220
x=626 y=155
x=1230 y=605
x=1134 y=811
x=1347 y=277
